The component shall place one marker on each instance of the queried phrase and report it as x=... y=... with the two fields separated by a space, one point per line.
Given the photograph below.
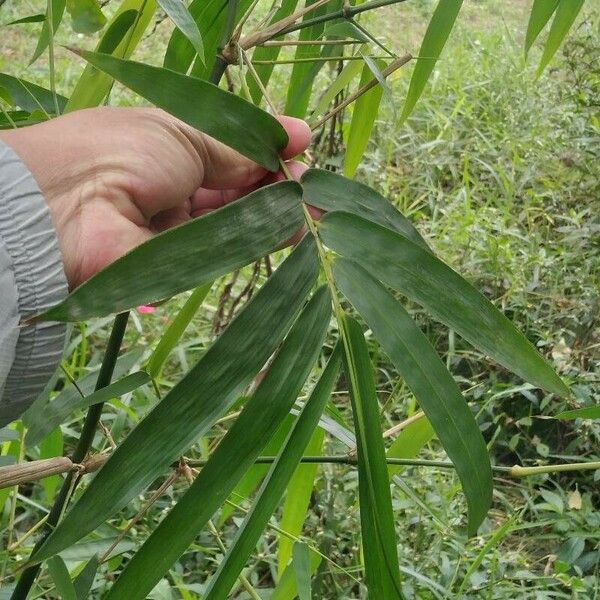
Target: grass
x=501 y=174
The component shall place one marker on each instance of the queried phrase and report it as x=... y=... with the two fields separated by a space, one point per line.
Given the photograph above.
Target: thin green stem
x=29 y=575
x=345 y=13
x=221 y=62
x=293 y=61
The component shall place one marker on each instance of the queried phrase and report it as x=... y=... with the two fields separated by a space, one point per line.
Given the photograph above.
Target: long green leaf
x=541 y=11
x=287 y=588
x=120 y=38
x=409 y=442
x=297 y=501
x=29 y=96
x=83 y=582
x=86 y=16
x=62 y=580
x=376 y=516
x=193 y=405
x=56 y=412
x=265 y=53
x=274 y=484
x=408 y=268
x=331 y=192
x=180 y=15
x=301 y=564
x=37 y=18
x=51 y=447
x=235 y=453
x=587 y=412
x=364 y=114
x=437 y=33
x=178 y=325
x=433 y=386
x=35 y=417
x=222 y=115
x=189 y=255
x=56 y=8
x=564 y=17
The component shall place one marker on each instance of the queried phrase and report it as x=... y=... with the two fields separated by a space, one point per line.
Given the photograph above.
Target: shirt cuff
x=29 y=239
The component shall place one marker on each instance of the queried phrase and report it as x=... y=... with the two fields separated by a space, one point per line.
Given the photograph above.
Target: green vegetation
x=500 y=174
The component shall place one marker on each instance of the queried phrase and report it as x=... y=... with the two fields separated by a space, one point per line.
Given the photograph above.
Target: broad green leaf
x=30 y=19
x=286 y=587
x=297 y=500
x=409 y=442
x=364 y=114
x=382 y=571
x=431 y=383
x=51 y=447
x=55 y=9
x=564 y=17
x=86 y=16
x=261 y=53
x=587 y=412
x=194 y=404
x=222 y=115
x=84 y=581
x=61 y=578
x=29 y=96
x=35 y=417
x=541 y=11
x=261 y=416
x=303 y=74
x=275 y=482
x=406 y=267
x=175 y=330
x=331 y=192
x=57 y=411
x=120 y=38
x=178 y=13
x=349 y=72
x=301 y=564
x=189 y=255
x=437 y=33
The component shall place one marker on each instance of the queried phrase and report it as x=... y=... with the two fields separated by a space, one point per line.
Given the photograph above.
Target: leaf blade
x=540 y=14
x=189 y=410
x=450 y=299
x=180 y=15
x=189 y=255
x=433 y=386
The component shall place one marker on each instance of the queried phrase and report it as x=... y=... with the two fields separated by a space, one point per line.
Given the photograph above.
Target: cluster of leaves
x=362 y=247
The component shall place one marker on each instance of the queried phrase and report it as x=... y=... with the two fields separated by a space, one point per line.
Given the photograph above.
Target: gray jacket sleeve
x=31 y=280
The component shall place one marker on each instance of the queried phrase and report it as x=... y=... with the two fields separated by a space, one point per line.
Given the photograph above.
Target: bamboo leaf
x=301 y=564
x=263 y=53
x=260 y=418
x=363 y=119
x=377 y=519
x=587 y=412
x=437 y=33
x=564 y=17
x=51 y=447
x=541 y=11
x=275 y=482
x=193 y=405
x=189 y=255
x=409 y=442
x=120 y=38
x=61 y=578
x=66 y=401
x=408 y=268
x=86 y=15
x=57 y=411
x=175 y=330
x=29 y=96
x=222 y=115
x=286 y=587
x=56 y=8
x=331 y=192
x=84 y=581
x=180 y=15
x=433 y=386
x=297 y=500
x=39 y=18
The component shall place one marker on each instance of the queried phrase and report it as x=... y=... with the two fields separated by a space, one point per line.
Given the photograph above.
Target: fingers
x=205 y=200
x=226 y=169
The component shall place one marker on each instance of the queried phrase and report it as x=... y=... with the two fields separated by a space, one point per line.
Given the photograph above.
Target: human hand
x=113 y=177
